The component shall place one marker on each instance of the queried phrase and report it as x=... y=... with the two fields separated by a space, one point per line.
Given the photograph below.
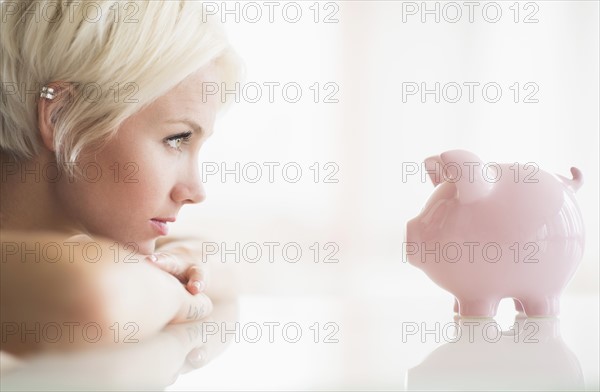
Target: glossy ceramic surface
x=492 y=231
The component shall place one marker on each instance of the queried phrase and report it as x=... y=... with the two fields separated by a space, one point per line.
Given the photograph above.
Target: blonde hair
x=117 y=56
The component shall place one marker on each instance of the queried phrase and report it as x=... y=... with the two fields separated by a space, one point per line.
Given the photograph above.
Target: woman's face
x=147 y=172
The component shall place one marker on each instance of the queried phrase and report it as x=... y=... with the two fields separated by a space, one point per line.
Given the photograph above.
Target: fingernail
x=200 y=285
x=196 y=357
x=152 y=258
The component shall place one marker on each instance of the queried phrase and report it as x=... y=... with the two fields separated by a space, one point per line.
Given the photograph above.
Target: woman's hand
x=182 y=259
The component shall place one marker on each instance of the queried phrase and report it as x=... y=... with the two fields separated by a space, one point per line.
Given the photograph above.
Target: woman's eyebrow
x=192 y=124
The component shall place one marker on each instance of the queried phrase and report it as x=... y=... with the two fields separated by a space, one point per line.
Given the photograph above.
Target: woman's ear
x=53 y=99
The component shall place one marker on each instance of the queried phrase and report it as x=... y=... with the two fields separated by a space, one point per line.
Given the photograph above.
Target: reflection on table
x=153 y=364
x=530 y=355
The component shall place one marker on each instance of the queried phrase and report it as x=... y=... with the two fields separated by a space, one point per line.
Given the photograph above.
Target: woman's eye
x=176 y=141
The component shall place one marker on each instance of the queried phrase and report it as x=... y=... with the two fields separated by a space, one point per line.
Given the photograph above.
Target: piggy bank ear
x=465 y=170
x=433 y=166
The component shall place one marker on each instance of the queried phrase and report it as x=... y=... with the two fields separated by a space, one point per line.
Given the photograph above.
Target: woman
x=102 y=119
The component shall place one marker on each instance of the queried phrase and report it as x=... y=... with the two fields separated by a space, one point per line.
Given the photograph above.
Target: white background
x=369 y=134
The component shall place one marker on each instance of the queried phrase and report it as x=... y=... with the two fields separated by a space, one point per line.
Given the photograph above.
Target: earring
x=47 y=92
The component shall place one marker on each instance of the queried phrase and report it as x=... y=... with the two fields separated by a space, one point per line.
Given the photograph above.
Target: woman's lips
x=159 y=226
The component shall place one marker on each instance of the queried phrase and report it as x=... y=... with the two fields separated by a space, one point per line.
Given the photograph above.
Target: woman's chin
x=146 y=247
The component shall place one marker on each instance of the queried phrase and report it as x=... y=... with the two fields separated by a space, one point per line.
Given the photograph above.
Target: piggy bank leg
x=541 y=307
x=478 y=307
x=519 y=306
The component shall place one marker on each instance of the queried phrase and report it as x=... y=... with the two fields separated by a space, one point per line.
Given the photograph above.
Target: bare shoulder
x=26 y=246
x=60 y=256
x=51 y=247
x=53 y=277
x=18 y=235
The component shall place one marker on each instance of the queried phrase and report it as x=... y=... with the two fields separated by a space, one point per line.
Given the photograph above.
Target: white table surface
x=375 y=342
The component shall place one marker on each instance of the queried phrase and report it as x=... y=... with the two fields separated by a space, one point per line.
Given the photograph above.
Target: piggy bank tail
x=574 y=183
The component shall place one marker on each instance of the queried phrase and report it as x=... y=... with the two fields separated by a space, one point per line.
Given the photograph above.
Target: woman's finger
x=197 y=357
x=168 y=263
x=196 y=279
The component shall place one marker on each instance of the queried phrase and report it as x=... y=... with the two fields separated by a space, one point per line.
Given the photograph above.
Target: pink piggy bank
x=491 y=231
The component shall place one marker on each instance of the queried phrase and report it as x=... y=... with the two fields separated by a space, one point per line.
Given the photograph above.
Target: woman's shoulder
x=35 y=245
x=41 y=236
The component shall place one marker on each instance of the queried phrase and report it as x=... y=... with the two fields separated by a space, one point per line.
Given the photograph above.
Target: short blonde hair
x=117 y=56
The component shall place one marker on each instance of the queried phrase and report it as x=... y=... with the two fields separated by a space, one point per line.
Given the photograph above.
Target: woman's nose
x=189 y=189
